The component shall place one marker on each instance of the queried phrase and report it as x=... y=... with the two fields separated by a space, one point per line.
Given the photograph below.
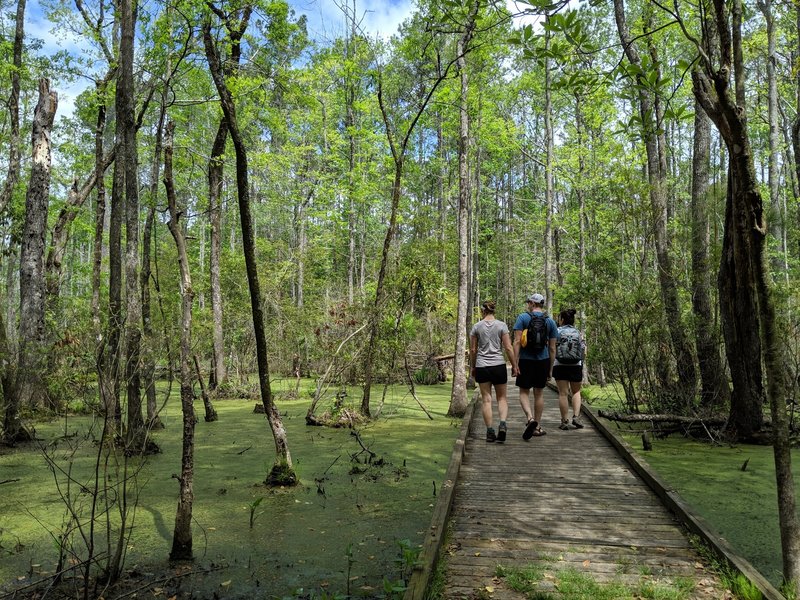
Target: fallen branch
x=413 y=390
x=9 y=480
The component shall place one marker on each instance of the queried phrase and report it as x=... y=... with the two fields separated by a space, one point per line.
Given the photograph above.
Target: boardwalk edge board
x=431 y=546
x=692 y=521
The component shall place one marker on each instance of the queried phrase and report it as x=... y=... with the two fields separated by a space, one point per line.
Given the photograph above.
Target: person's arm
x=552 y=347
x=473 y=353
x=517 y=346
x=510 y=354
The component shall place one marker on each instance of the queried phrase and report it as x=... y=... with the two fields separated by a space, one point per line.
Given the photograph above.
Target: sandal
x=530 y=428
x=539 y=432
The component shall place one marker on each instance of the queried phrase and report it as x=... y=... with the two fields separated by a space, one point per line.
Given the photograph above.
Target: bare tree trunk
x=126 y=116
x=97 y=249
x=182 y=534
x=548 y=176
x=282 y=472
x=113 y=348
x=714 y=383
x=215 y=171
x=458 y=398
x=29 y=388
x=148 y=359
x=580 y=126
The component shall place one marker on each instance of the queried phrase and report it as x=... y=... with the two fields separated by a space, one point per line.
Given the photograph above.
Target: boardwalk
x=564 y=503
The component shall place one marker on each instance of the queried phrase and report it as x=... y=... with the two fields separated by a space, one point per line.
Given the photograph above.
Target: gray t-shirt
x=490 y=342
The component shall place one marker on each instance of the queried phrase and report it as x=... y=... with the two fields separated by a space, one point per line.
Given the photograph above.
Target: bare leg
x=486 y=395
x=525 y=403
x=538 y=404
x=563 y=387
x=576 y=398
x=502 y=400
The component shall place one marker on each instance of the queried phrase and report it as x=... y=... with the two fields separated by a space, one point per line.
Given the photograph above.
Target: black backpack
x=535 y=336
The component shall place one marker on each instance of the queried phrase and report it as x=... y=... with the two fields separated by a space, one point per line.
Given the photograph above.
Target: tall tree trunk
x=745 y=260
x=715 y=393
x=681 y=346
x=580 y=127
x=235 y=24
x=7 y=374
x=126 y=116
x=97 y=250
x=548 y=175
x=115 y=318
x=215 y=172
x=29 y=388
x=282 y=472
x=14 y=153
x=149 y=359
x=182 y=534
x=458 y=398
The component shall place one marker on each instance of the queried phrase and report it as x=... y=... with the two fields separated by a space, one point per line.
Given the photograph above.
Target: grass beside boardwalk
x=741 y=506
x=345 y=527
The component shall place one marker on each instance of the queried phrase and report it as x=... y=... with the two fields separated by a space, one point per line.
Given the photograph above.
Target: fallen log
x=661 y=418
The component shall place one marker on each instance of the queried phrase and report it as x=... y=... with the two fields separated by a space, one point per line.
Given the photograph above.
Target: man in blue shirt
x=535 y=361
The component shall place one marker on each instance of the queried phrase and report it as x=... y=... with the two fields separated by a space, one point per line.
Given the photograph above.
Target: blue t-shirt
x=522 y=323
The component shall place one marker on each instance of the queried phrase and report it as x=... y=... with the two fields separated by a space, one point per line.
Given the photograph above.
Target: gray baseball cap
x=536 y=299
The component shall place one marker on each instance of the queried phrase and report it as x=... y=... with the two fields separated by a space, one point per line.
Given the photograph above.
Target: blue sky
x=326 y=21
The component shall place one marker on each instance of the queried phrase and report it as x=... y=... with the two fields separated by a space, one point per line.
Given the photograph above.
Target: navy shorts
x=533 y=373
x=496 y=374
x=572 y=373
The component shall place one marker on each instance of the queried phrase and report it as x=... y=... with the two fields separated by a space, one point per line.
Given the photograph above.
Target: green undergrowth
x=570 y=584
x=732 y=487
x=352 y=524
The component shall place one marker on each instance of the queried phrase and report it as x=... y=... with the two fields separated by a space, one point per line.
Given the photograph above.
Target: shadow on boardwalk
x=566 y=504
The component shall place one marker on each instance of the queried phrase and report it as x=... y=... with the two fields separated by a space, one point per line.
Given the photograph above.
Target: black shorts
x=533 y=373
x=496 y=374
x=572 y=373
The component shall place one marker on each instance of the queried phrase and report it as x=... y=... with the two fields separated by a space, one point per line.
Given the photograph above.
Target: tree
x=744 y=272
x=458 y=399
x=182 y=534
x=282 y=472
x=29 y=386
x=235 y=23
x=714 y=392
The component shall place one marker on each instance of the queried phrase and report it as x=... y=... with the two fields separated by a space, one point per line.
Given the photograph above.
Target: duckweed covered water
x=741 y=506
x=340 y=530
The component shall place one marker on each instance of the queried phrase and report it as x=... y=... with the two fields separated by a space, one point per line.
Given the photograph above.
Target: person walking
x=568 y=368
x=487 y=340
x=534 y=360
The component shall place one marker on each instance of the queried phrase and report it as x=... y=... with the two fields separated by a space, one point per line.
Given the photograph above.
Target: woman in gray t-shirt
x=487 y=340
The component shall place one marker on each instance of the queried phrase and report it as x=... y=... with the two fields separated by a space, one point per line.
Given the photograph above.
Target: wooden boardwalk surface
x=565 y=502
